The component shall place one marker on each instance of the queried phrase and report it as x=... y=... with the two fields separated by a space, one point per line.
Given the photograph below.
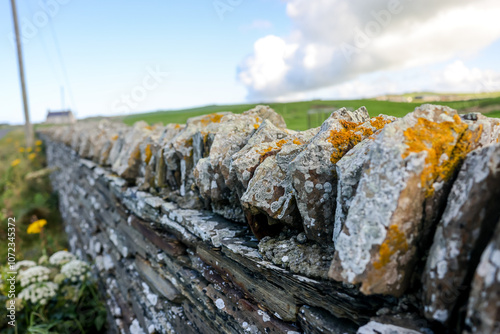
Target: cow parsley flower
x=39 y=293
x=25 y=264
x=75 y=270
x=33 y=275
x=60 y=258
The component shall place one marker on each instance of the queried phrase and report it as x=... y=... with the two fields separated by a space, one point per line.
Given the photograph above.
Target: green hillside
x=295 y=113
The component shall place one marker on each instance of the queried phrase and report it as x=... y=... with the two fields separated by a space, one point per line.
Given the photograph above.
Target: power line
x=63 y=66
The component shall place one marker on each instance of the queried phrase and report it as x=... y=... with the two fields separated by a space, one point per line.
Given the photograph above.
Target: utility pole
x=28 y=128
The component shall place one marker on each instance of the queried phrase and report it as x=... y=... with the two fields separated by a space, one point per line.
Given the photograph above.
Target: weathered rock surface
x=317 y=321
x=313 y=173
x=410 y=165
x=213 y=173
x=178 y=154
x=308 y=260
x=169 y=132
x=127 y=161
x=349 y=170
x=483 y=310
x=374 y=327
x=468 y=222
x=269 y=198
x=268 y=138
x=313 y=170
x=169 y=262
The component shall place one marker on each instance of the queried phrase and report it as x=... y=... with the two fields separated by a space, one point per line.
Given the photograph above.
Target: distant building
x=60 y=117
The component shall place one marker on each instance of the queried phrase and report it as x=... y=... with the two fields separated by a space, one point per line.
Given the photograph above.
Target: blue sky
x=116 y=53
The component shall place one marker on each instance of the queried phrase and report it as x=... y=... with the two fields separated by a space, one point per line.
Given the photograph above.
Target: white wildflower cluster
x=39 y=293
x=33 y=275
x=24 y=264
x=61 y=257
x=75 y=270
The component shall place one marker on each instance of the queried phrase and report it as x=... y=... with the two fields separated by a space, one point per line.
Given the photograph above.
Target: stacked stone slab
x=233 y=223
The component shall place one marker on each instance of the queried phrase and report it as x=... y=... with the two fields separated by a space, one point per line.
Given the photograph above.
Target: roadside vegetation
x=54 y=291
x=27 y=199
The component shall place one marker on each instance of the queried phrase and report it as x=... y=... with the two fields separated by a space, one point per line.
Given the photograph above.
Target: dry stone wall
x=232 y=223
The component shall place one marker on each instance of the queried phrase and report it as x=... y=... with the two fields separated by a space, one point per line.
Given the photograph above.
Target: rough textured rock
x=169 y=132
x=126 y=161
x=179 y=160
x=169 y=266
x=268 y=204
x=266 y=139
x=483 y=310
x=374 y=327
x=462 y=234
x=170 y=269
x=317 y=321
x=349 y=171
x=213 y=173
x=313 y=170
x=410 y=165
x=308 y=260
x=149 y=148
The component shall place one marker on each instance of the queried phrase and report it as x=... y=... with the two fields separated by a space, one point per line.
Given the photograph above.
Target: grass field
x=295 y=113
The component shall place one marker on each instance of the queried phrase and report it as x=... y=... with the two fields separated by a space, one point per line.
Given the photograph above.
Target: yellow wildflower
x=38 y=143
x=36 y=226
x=15 y=162
x=32 y=156
x=29 y=149
x=21 y=149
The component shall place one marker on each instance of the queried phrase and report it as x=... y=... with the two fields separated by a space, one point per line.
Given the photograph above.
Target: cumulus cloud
x=454 y=77
x=458 y=77
x=337 y=41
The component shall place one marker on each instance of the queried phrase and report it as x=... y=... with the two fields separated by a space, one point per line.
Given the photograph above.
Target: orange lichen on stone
x=274 y=146
x=188 y=142
x=343 y=141
x=349 y=125
x=479 y=133
x=148 y=153
x=212 y=118
x=446 y=144
x=115 y=137
x=379 y=122
x=351 y=134
x=177 y=126
x=205 y=136
x=297 y=141
x=395 y=241
x=256 y=126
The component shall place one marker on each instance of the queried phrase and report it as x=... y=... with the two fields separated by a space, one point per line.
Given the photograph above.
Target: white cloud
x=454 y=77
x=457 y=77
x=337 y=41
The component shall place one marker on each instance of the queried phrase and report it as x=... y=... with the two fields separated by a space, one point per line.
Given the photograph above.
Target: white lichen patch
x=220 y=304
